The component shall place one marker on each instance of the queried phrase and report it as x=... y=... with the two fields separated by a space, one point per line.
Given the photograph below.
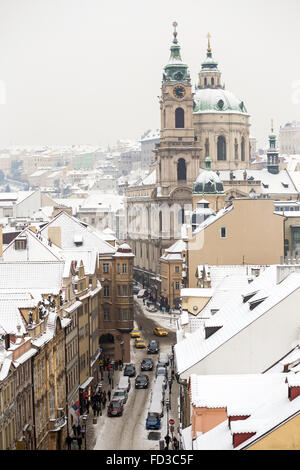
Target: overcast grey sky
x=89 y=71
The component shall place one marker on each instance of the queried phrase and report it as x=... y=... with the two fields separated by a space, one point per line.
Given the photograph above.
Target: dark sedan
x=115 y=408
x=142 y=381
x=129 y=370
x=153 y=347
x=147 y=364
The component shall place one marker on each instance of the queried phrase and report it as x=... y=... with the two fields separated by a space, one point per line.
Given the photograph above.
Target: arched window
x=181 y=170
x=179 y=118
x=206 y=147
x=221 y=148
x=205 y=81
x=212 y=81
x=164 y=123
x=243 y=149
x=236 y=149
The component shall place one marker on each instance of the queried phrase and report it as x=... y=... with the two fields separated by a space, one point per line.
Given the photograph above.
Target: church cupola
x=175 y=70
x=208 y=182
x=201 y=213
x=209 y=76
x=272 y=153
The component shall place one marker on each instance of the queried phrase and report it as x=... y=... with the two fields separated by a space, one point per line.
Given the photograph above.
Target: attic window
x=248 y=296
x=255 y=303
x=285 y=185
x=210 y=330
x=20 y=244
x=213 y=311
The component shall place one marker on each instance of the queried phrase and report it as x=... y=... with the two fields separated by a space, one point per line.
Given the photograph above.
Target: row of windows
x=125 y=268
x=125 y=315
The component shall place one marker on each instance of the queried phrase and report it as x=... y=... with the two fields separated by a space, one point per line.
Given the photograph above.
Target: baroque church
x=207 y=122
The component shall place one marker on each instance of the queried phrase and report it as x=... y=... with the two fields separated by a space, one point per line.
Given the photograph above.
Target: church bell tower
x=177 y=136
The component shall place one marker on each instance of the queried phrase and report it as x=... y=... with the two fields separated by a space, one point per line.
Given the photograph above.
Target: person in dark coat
x=104 y=400
x=94 y=408
x=99 y=410
x=79 y=441
x=167 y=439
x=109 y=395
x=74 y=429
x=175 y=443
x=87 y=404
x=68 y=442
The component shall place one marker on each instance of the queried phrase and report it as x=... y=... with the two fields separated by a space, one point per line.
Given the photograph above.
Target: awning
x=86 y=383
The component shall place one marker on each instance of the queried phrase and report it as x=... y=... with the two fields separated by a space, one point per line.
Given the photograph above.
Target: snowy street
x=128 y=432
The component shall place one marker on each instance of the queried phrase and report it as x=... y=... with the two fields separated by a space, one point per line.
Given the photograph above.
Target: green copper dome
x=208 y=182
x=217 y=99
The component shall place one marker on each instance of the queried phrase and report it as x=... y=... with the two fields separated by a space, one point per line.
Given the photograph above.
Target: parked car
x=120 y=395
x=147 y=364
x=142 y=293
x=162 y=371
x=141 y=381
x=135 y=333
x=158 y=331
x=153 y=421
x=124 y=383
x=163 y=360
x=140 y=343
x=129 y=370
x=153 y=347
x=115 y=408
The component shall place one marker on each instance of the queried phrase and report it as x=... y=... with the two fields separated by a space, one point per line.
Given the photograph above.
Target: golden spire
x=208 y=41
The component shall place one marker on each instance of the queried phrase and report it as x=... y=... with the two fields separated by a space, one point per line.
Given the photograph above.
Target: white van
x=156 y=405
x=163 y=359
x=160 y=382
x=124 y=383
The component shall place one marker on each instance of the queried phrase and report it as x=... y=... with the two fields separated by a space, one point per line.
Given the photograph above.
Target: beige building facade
x=246 y=232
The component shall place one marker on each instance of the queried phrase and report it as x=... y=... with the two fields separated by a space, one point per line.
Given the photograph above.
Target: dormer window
x=248 y=296
x=20 y=244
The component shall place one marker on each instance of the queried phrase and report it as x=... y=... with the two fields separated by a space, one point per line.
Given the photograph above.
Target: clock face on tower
x=179 y=91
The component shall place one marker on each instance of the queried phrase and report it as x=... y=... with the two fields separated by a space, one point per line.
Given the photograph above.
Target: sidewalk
x=92 y=430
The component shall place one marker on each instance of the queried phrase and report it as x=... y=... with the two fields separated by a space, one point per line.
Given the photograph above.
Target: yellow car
x=135 y=333
x=140 y=343
x=160 y=332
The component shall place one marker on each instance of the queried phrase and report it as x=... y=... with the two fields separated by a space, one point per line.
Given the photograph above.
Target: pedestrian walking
x=74 y=429
x=175 y=443
x=167 y=439
x=109 y=395
x=98 y=407
x=79 y=442
x=104 y=401
x=94 y=408
x=104 y=393
x=68 y=442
